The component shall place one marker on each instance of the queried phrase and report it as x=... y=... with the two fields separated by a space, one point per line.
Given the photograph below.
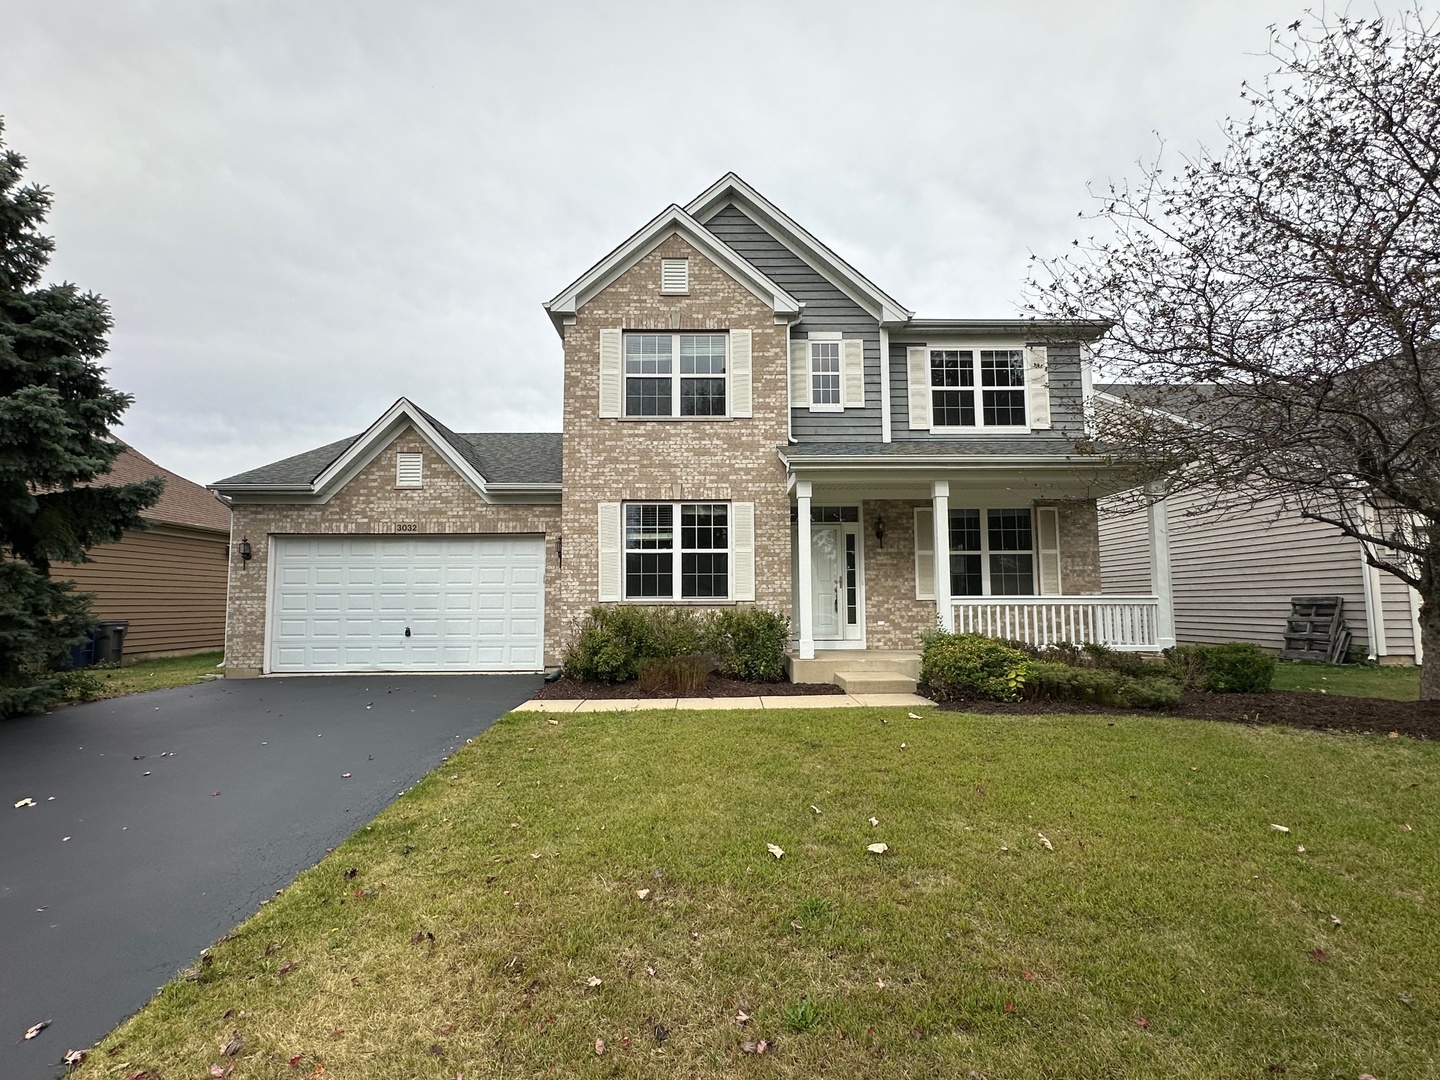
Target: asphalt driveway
x=162 y=820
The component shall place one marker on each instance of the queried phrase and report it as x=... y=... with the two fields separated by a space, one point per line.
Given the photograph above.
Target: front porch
x=879 y=558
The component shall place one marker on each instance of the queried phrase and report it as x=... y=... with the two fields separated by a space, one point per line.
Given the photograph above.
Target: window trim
x=978 y=389
x=677 y=551
x=985 y=552
x=825 y=338
x=675 y=376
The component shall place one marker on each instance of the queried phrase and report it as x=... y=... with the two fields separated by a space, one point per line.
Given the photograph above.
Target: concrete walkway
x=775 y=701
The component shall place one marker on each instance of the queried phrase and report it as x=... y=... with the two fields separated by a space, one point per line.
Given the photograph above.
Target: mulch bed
x=716 y=686
x=1291 y=708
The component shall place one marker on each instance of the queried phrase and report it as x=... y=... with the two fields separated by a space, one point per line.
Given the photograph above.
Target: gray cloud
x=300 y=212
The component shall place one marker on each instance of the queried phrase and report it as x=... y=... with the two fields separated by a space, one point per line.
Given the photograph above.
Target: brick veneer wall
x=371 y=504
x=609 y=460
x=1079 y=547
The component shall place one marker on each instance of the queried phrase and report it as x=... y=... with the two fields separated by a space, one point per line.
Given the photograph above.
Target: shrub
x=615 y=640
x=676 y=676
x=1238 y=667
x=750 y=643
x=965 y=667
x=1151 y=692
x=1051 y=681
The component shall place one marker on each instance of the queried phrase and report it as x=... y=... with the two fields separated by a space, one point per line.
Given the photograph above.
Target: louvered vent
x=409 y=470
x=674 y=275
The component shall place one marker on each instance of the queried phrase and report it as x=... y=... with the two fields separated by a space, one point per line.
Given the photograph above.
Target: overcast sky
x=300 y=211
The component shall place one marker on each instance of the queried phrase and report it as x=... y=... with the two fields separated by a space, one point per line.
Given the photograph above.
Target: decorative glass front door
x=835 y=581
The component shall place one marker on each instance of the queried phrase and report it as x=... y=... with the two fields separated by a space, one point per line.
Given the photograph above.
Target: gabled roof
x=492 y=463
x=183 y=502
x=669 y=222
x=731 y=190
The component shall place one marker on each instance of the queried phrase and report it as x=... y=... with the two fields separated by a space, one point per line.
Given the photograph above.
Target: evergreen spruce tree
x=56 y=411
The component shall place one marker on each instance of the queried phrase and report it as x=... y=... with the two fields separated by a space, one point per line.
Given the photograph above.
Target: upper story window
x=674 y=275
x=675 y=374
x=409 y=470
x=825 y=375
x=997 y=375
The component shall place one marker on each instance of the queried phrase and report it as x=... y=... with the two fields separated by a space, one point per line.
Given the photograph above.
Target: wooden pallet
x=1316 y=629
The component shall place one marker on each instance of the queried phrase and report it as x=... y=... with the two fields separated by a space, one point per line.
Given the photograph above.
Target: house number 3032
x=406 y=526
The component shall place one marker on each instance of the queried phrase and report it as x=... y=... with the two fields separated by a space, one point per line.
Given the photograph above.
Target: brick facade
x=371 y=504
x=609 y=460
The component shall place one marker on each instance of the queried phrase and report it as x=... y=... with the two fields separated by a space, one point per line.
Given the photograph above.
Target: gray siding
x=1067 y=395
x=826 y=309
x=1236 y=569
x=1395 y=605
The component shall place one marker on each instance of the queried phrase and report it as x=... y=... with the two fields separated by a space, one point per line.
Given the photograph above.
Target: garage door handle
x=407 y=631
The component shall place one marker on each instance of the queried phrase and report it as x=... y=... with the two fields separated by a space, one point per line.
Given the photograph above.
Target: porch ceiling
x=1025 y=482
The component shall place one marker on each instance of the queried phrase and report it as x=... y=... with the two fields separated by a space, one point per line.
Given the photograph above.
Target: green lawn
x=158 y=674
x=494 y=925
x=1351 y=680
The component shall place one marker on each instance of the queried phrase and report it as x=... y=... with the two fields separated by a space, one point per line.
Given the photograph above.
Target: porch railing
x=1122 y=622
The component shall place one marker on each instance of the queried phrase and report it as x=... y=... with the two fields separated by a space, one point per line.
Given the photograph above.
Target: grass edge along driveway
x=1076 y=896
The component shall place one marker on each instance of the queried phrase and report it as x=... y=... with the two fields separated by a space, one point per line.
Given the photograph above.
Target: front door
x=835 y=581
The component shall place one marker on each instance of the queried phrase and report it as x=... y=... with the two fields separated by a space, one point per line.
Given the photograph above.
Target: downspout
x=1374 y=620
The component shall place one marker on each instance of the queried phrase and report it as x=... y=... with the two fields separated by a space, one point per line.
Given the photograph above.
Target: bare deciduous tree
x=1283 y=294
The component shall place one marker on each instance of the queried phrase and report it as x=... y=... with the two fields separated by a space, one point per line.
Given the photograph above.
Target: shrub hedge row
x=620 y=643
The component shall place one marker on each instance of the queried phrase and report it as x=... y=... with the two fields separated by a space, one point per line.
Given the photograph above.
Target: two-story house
x=748 y=419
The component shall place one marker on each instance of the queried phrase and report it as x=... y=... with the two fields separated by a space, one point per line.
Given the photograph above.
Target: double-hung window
x=663 y=562
x=996 y=375
x=991 y=552
x=825 y=375
x=675 y=374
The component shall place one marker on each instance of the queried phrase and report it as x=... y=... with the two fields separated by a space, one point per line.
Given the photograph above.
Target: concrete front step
x=874 y=682
x=830 y=662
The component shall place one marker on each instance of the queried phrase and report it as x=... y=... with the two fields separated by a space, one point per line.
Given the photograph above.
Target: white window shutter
x=799 y=374
x=924 y=553
x=742 y=551
x=1047 y=544
x=741 y=404
x=918 y=361
x=609 y=551
x=612 y=382
x=852 y=373
x=1037 y=381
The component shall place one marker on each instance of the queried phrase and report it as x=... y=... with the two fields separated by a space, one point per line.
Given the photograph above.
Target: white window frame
x=678 y=551
x=418 y=461
x=925 y=590
x=827 y=338
x=978 y=389
x=676 y=376
x=666 y=266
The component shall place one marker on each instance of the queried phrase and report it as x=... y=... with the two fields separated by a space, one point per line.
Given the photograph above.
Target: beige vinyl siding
x=1235 y=569
x=169 y=583
x=1395 y=604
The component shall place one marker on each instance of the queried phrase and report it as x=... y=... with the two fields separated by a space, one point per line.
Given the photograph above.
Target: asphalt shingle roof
x=500 y=457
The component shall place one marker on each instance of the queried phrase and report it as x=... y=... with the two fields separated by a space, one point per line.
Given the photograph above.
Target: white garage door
x=424 y=603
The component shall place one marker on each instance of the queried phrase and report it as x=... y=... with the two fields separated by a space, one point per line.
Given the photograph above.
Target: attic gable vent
x=409 y=470
x=674 y=275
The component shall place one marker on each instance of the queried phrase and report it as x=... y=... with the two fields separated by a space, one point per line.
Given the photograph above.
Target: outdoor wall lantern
x=245 y=549
x=880 y=530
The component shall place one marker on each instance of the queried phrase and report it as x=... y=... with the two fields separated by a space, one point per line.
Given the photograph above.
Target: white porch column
x=940 y=504
x=805 y=617
x=1160 y=583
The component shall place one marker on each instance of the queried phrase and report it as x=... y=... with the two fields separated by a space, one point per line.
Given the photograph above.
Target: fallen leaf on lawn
x=1141 y=1022
x=594 y=980
x=73 y=1057
x=534 y=854
x=1299 y=849
x=344 y=776
x=650 y=971
x=1393 y=735
x=599 y=1047
x=24 y=802
x=1335 y=920
x=1279 y=828
x=1029 y=976
x=661 y=1033
x=742 y=1018
x=350 y=874
x=219 y=1071
x=1406 y=828
x=642 y=893
x=913 y=716
x=874 y=821
x=904 y=746
x=214 y=793
x=1318 y=955
x=296 y=1060
x=880 y=983
x=815 y=808
x=754 y=1047
x=437 y=1050
x=233 y=1045
x=553 y=722
x=1045 y=842
x=877 y=849
x=286 y=969
x=35 y=1029
x=775 y=849
x=1405 y=999
x=445 y=1029
x=1009 y=1006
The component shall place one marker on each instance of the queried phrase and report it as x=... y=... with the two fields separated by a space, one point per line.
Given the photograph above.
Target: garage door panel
x=471 y=603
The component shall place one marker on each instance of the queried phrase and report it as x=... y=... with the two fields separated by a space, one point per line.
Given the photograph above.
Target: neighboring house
x=168 y=580
x=1236 y=561
x=747 y=420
